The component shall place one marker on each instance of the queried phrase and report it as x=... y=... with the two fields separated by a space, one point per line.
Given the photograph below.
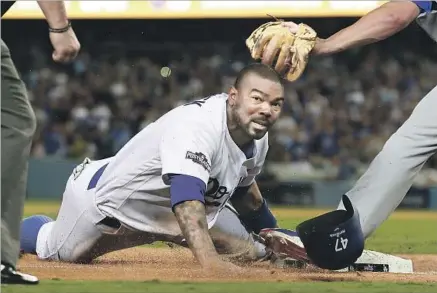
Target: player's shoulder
x=207 y=112
x=205 y=118
x=207 y=105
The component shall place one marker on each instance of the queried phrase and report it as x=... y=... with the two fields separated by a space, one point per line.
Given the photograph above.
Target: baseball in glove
x=274 y=39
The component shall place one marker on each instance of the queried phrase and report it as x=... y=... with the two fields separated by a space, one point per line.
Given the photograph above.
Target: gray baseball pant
x=390 y=175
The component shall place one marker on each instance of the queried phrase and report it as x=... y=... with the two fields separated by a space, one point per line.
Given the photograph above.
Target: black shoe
x=11 y=276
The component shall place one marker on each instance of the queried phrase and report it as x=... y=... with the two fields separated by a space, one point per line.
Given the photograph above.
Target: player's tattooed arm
x=191 y=217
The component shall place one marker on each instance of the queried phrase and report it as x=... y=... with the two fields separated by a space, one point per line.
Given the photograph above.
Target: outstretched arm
x=252 y=208
x=191 y=217
x=375 y=26
x=186 y=152
x=187 y=198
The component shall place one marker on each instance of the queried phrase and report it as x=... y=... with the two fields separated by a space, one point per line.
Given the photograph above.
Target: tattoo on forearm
x=191 y=217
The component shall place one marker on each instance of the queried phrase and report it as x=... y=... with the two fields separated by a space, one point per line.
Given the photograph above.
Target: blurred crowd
x=336 y=117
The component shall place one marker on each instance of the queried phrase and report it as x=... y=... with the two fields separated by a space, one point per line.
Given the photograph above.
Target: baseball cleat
x=11 y=276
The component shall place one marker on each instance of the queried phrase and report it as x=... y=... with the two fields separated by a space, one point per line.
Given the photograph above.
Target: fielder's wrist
x=60 y=29
x=320 y=47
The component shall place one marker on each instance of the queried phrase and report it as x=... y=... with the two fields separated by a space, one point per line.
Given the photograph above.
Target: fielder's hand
x=66 y=46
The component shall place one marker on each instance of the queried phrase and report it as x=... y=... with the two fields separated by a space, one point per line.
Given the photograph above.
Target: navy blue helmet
x=333 y=240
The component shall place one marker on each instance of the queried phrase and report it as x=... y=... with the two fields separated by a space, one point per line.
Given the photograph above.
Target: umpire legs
x=390 y=175
x=17 y=128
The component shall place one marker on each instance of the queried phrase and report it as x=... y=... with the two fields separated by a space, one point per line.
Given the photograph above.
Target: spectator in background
x=336 y=117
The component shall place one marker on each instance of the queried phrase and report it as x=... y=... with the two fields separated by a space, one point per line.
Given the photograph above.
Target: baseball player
x=17 y=128
x=171 y=181
x=390 y=175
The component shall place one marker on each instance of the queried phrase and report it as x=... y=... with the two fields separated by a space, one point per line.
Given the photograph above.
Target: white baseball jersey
x=192 y=140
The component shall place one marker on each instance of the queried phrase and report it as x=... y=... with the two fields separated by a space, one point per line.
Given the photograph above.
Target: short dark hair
x=259 y=69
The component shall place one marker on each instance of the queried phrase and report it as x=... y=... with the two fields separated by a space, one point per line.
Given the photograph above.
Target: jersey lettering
x=215 y=192
x=198 y=102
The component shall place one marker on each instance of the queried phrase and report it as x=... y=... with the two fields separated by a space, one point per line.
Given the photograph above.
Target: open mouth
x=262 y=123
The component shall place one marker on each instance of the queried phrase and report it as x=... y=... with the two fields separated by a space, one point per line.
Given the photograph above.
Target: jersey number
x=340 y=244
x=198 y=102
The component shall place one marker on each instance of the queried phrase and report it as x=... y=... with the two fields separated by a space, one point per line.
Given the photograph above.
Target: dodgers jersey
x=192 y=140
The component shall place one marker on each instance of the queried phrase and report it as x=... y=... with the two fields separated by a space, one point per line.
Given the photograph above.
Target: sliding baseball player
x=171 y=181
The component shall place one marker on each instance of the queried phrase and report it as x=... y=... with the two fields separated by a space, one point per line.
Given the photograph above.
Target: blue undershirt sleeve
x=185 y=188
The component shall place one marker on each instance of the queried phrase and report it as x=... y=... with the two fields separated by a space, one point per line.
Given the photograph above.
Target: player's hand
x=66 y=46
x=293 y=27
x=320 y=43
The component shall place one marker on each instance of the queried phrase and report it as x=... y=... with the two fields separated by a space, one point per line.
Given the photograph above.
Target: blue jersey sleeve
x=424 y=6
x=185 y=188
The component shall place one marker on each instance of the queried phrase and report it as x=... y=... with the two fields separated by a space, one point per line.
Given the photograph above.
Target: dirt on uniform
x=142 y=264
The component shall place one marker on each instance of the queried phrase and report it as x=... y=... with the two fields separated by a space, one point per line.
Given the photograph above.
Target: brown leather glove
x=272 y=38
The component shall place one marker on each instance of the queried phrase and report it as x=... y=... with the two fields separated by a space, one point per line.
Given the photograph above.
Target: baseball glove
x=272 y=38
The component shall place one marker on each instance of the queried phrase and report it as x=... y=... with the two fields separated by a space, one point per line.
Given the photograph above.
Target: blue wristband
x=259 y=219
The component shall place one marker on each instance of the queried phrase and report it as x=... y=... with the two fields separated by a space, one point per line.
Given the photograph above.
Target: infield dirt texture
x=407 y=234
x=164 y=264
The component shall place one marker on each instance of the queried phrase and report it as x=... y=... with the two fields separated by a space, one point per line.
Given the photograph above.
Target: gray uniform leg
x=390 y=175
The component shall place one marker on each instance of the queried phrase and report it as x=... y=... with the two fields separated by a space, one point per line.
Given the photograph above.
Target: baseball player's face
x=257 y=105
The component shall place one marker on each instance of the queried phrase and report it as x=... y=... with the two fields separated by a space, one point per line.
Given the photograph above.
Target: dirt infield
x=141 y=264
